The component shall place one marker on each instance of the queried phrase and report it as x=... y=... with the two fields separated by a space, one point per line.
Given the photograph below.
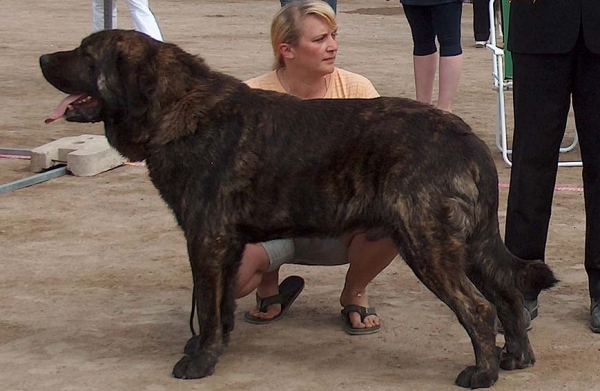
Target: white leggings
x=143 y=19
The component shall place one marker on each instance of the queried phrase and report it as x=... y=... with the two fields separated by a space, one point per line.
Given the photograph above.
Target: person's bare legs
x=367 y=259
x=425 y=68
x=253 y=274
x=450 y=71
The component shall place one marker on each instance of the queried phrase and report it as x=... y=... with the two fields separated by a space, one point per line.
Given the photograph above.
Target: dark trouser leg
x=586 y=104
x=481 y=20
x=542 y=89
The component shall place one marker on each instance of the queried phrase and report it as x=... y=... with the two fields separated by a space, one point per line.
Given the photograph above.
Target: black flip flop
x=363 y=312
x=289 y=289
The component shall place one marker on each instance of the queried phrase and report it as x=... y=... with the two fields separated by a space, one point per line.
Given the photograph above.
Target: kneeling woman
x=304 y=39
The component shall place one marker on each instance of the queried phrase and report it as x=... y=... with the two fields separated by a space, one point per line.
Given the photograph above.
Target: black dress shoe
x=595 y=316
x=531 y=306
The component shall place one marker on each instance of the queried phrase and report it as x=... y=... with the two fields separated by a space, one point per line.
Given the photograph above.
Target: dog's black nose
x=44 y=59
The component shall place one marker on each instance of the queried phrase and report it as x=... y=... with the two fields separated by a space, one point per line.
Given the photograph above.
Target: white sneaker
x=480 y=44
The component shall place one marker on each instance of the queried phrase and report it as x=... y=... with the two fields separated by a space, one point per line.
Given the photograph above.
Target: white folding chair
x=503 y=84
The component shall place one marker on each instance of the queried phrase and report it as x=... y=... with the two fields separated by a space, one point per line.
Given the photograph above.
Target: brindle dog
x=238 y=165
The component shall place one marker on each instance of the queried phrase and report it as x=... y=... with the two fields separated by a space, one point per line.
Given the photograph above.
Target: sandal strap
x=362 y=311
x=263 y=303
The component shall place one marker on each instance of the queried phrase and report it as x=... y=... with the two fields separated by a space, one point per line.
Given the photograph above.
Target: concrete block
x=85 y=155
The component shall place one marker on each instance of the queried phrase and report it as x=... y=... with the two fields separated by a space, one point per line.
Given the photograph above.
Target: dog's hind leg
x=441 y=269
x=213 y=263
x=517 y=352
x=497 y=273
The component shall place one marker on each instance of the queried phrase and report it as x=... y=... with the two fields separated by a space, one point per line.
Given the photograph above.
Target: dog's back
x=363 y=156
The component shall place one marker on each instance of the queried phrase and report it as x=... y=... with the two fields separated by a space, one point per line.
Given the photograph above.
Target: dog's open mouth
x=77 y=108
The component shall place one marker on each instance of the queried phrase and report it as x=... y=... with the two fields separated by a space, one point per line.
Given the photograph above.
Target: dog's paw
x=510 y=361
x=473 y=377
x=226 y=338
x=192 y=346
x=193 y=367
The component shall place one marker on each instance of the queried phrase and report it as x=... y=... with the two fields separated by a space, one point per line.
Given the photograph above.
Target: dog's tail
x=531 y=277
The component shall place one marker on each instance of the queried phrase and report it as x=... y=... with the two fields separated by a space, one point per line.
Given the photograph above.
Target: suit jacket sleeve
x=553 y=26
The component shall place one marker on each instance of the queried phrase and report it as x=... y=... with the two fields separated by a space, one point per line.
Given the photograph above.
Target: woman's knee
x=255 y=262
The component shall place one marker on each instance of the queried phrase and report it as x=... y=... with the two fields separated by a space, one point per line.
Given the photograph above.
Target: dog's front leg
x=228 y=299
x=212 y=261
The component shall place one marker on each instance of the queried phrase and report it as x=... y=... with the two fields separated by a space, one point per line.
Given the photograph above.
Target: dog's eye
x=88 y=60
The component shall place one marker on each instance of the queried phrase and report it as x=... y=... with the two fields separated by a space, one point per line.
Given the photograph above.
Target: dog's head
x=102 y=75
x=114 y=76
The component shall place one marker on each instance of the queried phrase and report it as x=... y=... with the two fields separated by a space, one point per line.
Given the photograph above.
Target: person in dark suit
x=556 y=57
x=481 y=22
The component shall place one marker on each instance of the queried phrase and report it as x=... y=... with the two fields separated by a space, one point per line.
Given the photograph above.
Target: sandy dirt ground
x=94 y=278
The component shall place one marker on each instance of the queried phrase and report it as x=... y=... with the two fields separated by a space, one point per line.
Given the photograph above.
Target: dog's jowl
x=238 y=165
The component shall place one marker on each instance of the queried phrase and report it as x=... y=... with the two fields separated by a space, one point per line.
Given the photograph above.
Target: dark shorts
x=430 y=21
x=306 y=251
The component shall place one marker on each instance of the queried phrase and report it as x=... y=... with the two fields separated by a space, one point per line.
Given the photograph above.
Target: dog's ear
x=137 y=63
x=127 y=77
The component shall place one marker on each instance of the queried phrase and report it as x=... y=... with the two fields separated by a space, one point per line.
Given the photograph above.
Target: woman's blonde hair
x=287 y=24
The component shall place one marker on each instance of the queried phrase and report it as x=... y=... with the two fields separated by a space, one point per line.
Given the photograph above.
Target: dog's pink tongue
x=62 y=107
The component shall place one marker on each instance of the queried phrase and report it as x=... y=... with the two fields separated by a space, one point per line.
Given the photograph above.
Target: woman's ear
x=286 y=50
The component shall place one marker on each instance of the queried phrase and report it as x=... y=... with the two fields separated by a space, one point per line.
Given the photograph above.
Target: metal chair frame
x=503 y=84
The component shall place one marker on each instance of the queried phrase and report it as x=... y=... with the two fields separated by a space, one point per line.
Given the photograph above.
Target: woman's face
x=317 y=46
